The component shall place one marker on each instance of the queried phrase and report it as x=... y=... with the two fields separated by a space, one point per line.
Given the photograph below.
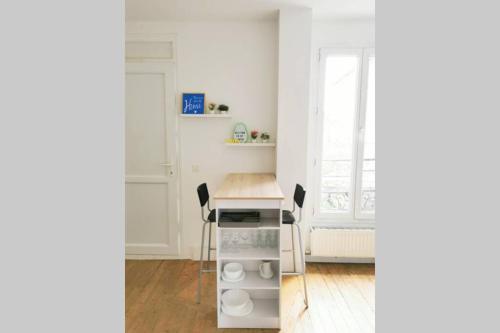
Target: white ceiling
x=181 y=10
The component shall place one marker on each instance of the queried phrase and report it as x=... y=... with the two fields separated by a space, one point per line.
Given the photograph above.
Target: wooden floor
x=160 y=297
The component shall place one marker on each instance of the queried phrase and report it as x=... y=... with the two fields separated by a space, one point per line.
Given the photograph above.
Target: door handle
x=168 y=165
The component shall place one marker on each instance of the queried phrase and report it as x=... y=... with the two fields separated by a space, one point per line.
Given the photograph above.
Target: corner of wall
x=295 y=25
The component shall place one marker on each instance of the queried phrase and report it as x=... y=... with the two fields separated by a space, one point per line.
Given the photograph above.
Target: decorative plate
x=240 y=132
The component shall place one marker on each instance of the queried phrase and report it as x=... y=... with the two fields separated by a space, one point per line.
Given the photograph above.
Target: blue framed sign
x=193 y=103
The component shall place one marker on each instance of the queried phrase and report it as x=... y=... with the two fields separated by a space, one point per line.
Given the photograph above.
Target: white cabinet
x=250 y=244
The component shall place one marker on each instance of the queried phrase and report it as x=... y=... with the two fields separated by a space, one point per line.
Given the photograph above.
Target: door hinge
x=314 y=162
x=317 y=109
x=319 y=56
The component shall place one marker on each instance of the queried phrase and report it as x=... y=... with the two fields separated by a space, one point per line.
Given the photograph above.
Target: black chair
x=289 y=218
x=204 y=200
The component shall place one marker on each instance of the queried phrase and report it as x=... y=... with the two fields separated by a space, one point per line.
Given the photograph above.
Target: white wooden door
x=151 y=190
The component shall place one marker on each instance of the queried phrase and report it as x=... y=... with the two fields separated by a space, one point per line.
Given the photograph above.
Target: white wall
x=237 y=63
x=293 y=97
x=343 y=33
x=293 y=109
x=234 y=63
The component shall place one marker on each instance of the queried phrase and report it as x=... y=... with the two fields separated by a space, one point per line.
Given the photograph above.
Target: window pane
x=340 y=94
x=368 y=173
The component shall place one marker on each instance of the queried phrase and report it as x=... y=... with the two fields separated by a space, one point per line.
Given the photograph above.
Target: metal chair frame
x=303 y=273
x=207 y=269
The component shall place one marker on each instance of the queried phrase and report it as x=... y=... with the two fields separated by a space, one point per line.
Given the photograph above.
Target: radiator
x=343 y=243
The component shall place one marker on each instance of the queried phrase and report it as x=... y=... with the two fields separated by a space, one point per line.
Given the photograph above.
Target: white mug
x=265 y=270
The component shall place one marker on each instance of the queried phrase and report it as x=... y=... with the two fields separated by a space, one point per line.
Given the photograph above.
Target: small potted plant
x=265 y=137
x=211 y=108
x=254 y=134
x=223 y=108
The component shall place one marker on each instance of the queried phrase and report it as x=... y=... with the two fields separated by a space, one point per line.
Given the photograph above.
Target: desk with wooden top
x=250 y=244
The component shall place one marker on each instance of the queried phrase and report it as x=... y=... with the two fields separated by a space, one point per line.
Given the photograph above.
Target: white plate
x=243 y=274
x=235 y=299
x=239 y=313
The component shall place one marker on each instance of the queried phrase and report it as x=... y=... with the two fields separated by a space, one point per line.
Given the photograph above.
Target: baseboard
x=194 y=250
x=195 y=254
x=153 y=257
x=151 y=249
x=340 y=260
x=308 y=258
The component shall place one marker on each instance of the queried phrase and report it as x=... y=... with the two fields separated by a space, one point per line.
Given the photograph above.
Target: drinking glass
x=260 y=242
x=255 y=240
x=226 y=238
x=235 y=240
x=275 y=239
x=269 y=240
x=244 y=239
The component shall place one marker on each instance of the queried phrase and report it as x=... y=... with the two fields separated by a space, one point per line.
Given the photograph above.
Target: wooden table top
x=258 y=186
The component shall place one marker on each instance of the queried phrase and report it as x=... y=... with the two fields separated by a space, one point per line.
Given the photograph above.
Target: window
x=345 y=156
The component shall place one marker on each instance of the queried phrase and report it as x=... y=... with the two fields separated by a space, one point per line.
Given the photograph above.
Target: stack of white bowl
x=236 y=302
x=233 y=272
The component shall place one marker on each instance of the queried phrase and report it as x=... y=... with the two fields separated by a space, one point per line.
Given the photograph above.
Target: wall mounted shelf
x=205 y=115
x=270 y=144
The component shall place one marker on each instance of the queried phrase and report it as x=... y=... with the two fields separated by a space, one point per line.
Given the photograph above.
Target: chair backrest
x=203 y=194
x=299 y=195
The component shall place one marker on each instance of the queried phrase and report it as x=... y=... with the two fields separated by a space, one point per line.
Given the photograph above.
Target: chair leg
x=209 y=244
x=293 y=249
x=303 y=265
x=198 y=295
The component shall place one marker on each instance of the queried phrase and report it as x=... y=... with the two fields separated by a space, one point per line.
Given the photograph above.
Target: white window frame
x=358 y=214
x=354 y=217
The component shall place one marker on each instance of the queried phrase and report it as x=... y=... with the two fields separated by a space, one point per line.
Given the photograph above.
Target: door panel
x=147 y=212
x=145 y=141
x=150 y=162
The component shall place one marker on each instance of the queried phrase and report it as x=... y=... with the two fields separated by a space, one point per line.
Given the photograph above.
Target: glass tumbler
x=269 y=240
x=244 y=239
x=235 y=239
x=226 y=240
x=260 y=239
x=253 y=237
